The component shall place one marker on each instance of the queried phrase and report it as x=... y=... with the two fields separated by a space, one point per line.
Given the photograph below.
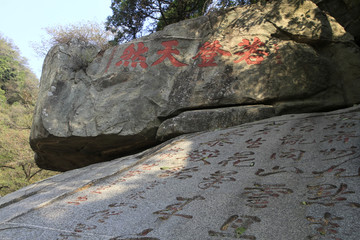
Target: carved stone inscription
x=311 y=165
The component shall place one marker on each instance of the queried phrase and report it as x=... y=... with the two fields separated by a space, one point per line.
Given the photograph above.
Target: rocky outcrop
x=211 y=119
x=287 y=177
x=346 y=12
x=94 y=106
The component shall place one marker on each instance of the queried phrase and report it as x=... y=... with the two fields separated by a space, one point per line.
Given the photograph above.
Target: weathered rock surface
x=289 y=177
x=211 y=119
x=95 y=106
x=346 y=12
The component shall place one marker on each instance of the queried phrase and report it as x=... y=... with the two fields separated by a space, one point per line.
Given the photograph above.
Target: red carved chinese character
x=278 y=56
x=171 y=210
x=208 y=52
x=203 y=155
x=219 y=141
x=259 y=195
x=133 y=56
x=325 y=226
x=235 y=227
x=278 y=169
x=82 y=227
x=328 y=194
x=110 y=59
x=167 y=53
x=255 y=143
x=217 y=178
x=251 y=54
x=78 y=200
x=238 y=158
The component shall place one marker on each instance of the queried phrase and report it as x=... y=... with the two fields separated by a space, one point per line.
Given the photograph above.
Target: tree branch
x=34 y=174
x=162 y=12
x=6 y=167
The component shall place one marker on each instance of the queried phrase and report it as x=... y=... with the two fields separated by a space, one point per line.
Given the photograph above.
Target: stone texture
x=346 y=13
x=287 y=177
x=211 y=119
x=95 y=106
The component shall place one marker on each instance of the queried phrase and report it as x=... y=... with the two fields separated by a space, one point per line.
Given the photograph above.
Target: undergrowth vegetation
x=18 y=93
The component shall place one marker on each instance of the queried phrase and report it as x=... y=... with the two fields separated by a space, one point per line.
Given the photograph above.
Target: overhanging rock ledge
x=95 y=106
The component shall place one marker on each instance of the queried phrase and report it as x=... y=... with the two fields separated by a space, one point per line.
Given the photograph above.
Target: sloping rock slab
x=290 y=177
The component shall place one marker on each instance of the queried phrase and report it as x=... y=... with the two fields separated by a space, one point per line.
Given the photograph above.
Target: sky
x=23 y=21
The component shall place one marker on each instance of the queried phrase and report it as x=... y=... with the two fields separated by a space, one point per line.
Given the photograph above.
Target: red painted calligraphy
x=334 y=153
x=293 y=154
x=82 y=227
x=295 y=139
x=134 y=56
x=111 y=58
x=183 y=174
x=340 y=136
x=208 y=52
x=66 y=236
x=329 y=195
x=259 y=195
x=219 y=142
x=171 y=210
x=251 y=53
x=255 y=143
x=104 y=215
x=326 y=226
x=240 y=159
x=78 y=200
x=202 y=155
x=340 y=169
x=168 y=53
x=217 y=178
x=235 y=227
x=278 y=169
x=278 y=56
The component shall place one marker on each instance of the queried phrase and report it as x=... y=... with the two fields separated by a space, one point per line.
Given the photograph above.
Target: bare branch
x=4 y=166
x=34 y=174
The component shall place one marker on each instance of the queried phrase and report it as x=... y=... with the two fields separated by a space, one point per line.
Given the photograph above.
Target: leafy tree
x=131 y=18
x=18 y=92
x=87 y=33
x=16 y=79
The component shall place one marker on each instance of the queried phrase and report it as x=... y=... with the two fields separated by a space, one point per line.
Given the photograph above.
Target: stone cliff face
x=215 y=71
x=346 y=13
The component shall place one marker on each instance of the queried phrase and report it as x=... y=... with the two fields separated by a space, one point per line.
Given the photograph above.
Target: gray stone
x=211 y=119
x=287 y=177
x=95 y=106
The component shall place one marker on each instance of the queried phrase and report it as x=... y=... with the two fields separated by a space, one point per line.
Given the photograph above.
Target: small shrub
x=86 y=33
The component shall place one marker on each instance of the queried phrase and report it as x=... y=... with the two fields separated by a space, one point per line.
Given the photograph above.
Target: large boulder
x=97 y=105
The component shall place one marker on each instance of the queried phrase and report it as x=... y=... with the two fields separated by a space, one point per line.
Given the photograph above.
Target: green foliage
x=129 y=16
x=16 y=80
x=180 y=10
x=18 y=92
x=132 y=18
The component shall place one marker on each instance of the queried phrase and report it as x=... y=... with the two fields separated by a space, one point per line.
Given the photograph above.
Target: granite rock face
x=212 y=119
x=287 y=177
x=95 y=106
x=346 y=12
